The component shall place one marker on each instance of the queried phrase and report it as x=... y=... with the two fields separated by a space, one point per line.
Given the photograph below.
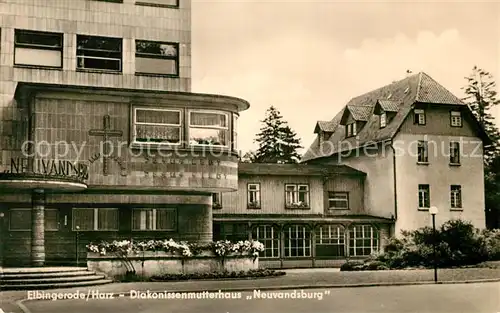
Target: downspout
x=395 y=181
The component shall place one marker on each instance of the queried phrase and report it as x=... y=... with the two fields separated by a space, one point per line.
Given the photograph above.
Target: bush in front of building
x=457 y=244
x=368 y=265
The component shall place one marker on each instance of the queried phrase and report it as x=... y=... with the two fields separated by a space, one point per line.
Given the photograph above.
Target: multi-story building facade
x=100 y=135
x=420 y=147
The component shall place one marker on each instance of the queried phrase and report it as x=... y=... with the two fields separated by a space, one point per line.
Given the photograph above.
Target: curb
x=20 y=304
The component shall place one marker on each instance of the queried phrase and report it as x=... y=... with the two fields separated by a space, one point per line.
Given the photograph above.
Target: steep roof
x=325 y=126
x=295 y=169
x=358 y=112
x=398 y=97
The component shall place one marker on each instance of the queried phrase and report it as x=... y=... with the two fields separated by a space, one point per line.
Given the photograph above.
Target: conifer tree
x=278 y=143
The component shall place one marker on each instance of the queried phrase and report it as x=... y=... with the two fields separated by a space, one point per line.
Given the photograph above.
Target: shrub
x=375 y=266
x=491 y=239
x=458 y=243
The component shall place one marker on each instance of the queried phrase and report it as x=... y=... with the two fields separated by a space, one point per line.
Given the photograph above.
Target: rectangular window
x=20 y=219
x=383 y=120
x=158 y=126
x=208 y=128
x=330 y=241
x=424 y=197
x=338 y=200
x=164 y=219
x=419 y=117
x=297 y=241
x=363 y=240
x=235 y=132
x=95 y=219
x=296 y=196
x=159 y=3
x=454 y=152
x=422 y=152
x=99 y=53
x=234 y=232
x=217 y=201
x=39 y=49
x=159 y=58
x=351 y=130
x=253 y=196
x=455 y=119
x=456 y=196
x=269 y=237
x=51 y=219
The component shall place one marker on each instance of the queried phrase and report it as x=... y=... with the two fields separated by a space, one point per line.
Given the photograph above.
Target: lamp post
x=77 y=228
x=433 y=211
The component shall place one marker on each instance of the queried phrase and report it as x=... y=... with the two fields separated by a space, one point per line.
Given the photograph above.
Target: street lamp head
x=433 y=210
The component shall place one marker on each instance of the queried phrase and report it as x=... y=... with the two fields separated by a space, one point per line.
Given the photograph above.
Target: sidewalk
x=295 y=279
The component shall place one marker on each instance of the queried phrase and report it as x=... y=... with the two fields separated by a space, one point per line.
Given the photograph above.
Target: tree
x=481 y=96
x=278 y=143
x=248 y=157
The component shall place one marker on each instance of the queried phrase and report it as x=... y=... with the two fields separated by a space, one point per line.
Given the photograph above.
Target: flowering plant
x=299 y=204
x=219 y=248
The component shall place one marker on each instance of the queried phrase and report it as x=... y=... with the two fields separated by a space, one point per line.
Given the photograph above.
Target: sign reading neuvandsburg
x=49 y=167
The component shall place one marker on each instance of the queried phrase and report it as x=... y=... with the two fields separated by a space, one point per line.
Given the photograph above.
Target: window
x=351 y=130
x=419 y=117
x=455 y=119
x=454 y=152
x=297 y=241
x=217 y=201
x=297 y=196
x=269 y=237
x=424 y=197
x=159 y=126
x=20 y=219
x=338 y=200
x=161 y=58
x=154 y=219
x=159 y=3
x=51 y=219
x=234 y=232
x=253 y=196
x=363 y=240
x=383 y=120
x=208 y=128
x=235 y=132
x=38 y=49
x=456 y=196
x=99 y=53
x=422 y=152
x=330 y=241
x=95 y=219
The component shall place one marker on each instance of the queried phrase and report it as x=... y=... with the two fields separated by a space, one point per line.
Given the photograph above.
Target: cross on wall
x=106 y=132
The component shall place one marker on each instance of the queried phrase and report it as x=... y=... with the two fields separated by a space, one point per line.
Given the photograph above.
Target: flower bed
x=161 y=257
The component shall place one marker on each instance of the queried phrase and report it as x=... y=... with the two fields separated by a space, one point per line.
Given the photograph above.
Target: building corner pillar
x=38 y=228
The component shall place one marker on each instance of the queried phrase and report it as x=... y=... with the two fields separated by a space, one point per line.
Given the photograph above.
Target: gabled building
x=419 y=145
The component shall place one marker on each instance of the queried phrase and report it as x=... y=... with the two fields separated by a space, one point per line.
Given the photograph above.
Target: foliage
x=220 y=275
x=458 y=243
x=492 y=242
x=220 y=248
x=481 y=96
x=277 y=141
x=248 y=157
x=369 y=265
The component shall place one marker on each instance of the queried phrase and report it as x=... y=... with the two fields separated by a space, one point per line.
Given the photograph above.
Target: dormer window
x=351 y=130
x=455 y=119
x=383 y=120
x=419 y=117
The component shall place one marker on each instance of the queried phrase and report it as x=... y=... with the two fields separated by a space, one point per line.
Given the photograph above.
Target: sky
x=308 y=58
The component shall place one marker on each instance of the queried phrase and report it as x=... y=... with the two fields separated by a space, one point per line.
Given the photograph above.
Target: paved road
x=456 y=298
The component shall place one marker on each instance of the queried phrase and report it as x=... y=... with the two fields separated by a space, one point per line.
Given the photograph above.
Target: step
x=51 y=280
x=28 y=270
x=45 y=275
x=56 y=285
